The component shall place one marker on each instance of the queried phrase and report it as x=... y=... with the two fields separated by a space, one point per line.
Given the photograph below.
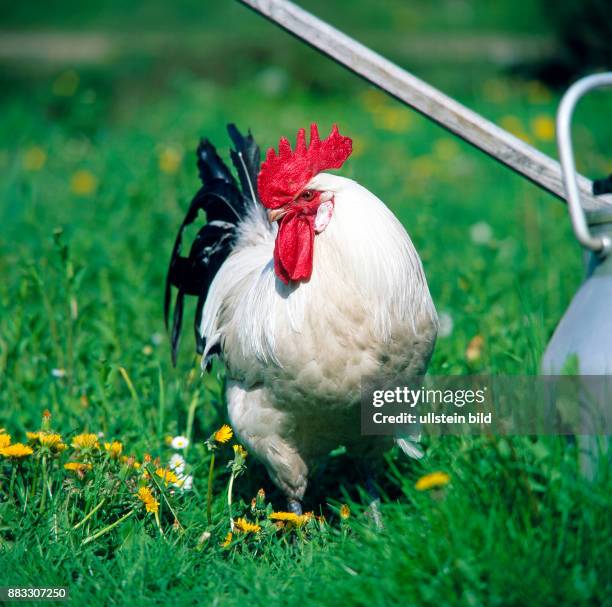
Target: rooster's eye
x=307 y=195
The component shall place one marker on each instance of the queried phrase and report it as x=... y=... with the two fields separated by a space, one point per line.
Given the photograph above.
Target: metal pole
x=432 y=103
x=598 y=244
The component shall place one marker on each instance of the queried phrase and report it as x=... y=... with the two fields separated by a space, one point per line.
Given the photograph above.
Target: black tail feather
x=210 y=166
x=246 y=158
x=225 y=206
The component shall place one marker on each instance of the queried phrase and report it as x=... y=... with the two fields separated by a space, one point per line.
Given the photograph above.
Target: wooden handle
x=432 y=103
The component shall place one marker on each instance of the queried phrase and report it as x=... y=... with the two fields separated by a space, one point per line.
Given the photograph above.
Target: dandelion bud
x=46 y=419
x=204 y=537
x=260 y=500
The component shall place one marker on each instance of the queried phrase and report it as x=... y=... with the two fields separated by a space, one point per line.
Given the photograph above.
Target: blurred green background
x=101 y=108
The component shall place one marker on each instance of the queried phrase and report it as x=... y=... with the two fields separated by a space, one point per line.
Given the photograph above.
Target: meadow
x=98 y=168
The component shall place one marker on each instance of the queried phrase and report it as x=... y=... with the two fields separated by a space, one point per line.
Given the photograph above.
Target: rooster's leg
x=294 y=506
x=367 y=466
x=259 y=425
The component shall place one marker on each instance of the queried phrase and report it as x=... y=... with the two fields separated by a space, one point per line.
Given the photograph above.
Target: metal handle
x=602 y=244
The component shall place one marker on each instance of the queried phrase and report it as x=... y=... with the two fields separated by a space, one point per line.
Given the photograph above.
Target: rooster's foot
x=294 y=506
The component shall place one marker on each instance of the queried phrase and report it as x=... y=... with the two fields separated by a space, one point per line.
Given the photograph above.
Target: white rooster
x=300 y=301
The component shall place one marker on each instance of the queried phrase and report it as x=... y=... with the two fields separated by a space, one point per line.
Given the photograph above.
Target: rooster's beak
x=276 y=214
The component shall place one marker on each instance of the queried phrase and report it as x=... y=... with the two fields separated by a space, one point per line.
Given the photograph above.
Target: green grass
x=82 y=291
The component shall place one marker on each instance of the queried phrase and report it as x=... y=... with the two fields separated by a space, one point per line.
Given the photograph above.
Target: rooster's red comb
x=285 y=174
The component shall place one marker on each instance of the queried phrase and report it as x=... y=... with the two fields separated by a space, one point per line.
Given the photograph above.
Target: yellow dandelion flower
x=146 y=497
x=245 y=526
x=169 y=160
x=51 y=440
x=446 y=148
x=114 y=449
x=537 y=92
x=395 y=119
x=34 y=159
x=495 y=90
x=130 y=461
x=474 y=348
x=168 y=476
x=77 y=466
x=302 y=520
x=432 y=481
x=290 y=517
x=83 y=183
x=223 y=434
x=87 y=440
x=345 y=512
x=423 y=167
x=145 y=494
x=512 y=124
x=16 y=451
x=543 y=127
x=283 y=516
x=227 y=541
x=240 y=451
x=372 y=99
x=5 y=440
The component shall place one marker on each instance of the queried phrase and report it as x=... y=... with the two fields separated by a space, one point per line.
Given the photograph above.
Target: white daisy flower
x=177 y=463
x=186 y=482
x=58 y=373
x=179 y=442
